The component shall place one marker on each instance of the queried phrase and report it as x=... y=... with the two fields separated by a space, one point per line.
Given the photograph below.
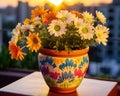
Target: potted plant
x=62 y=40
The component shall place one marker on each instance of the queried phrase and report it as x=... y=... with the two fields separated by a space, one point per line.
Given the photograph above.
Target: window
x=110 y=18
x=119 y=53
x=119 y=43
x=110 y=43
x=111 y=35
x=110 y=52
x=119 y=26
x=111 y=27
x=111 y=10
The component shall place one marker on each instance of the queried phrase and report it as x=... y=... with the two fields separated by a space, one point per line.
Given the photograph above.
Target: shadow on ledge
x=8 y=76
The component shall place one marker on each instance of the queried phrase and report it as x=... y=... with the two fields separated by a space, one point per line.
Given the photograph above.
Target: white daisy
x=18 y=26
x=37 y=19
x=78 y=22
x=101 y=33
x=16 y=33
x=101 y=17
x=66 y=16
x=88 y=17
x=86 y=31
x=15 y=39
x=57 y=28
x=27 y=27
x=37 y=22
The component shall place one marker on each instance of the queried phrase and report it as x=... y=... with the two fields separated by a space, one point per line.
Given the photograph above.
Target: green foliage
x=105 y=70
x=5 y=60
x=69 y=41
x=118 y=78
x=74 y=82
x=29 y=62
x=104 y=76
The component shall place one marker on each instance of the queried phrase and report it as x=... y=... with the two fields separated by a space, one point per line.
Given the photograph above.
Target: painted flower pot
x=63 y=71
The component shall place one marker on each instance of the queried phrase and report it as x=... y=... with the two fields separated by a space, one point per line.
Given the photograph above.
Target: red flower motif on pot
x=78 y=72
x=54 y=75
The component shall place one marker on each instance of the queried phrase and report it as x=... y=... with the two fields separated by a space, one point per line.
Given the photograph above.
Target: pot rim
x=63 y=53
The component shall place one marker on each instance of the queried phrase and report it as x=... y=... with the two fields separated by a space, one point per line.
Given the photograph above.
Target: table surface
x=34 y=85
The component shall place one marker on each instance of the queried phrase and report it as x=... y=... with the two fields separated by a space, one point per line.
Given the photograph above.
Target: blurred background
x=104 y=60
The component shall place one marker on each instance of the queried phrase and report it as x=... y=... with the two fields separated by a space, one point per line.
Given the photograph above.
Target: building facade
x=23 y=11
x=1 y=32
x=116 y=2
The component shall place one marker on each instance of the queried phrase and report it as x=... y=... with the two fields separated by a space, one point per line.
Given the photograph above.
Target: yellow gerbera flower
x=33 y=42
x=101 y=17
x=28 y=21
x=88 y=17
x=101 y=34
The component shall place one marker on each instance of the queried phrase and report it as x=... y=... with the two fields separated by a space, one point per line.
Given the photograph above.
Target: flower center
x=57 y=27
x=84 y=30
x=50 y=19
x=88 y=19
x=35 y=40
x=63 y=18
x=99 y=35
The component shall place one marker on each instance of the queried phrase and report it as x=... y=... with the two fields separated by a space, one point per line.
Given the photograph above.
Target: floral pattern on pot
x=63 y=72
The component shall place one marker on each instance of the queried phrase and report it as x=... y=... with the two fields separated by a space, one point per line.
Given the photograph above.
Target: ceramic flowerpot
x=63 y=71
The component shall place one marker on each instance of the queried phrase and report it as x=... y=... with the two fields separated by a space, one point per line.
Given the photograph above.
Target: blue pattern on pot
x=63 y=72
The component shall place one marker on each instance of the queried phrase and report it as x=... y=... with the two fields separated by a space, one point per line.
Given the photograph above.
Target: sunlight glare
x=56 y=2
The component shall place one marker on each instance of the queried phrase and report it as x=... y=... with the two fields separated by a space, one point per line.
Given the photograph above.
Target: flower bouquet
x=63 y=39
x=62 y=30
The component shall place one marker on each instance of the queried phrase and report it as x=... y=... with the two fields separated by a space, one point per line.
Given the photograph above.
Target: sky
x=4 y=3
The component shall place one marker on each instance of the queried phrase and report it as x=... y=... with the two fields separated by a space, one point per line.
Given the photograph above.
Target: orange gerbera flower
x=33 y=42
x=48 y=17
x=38 y=11
x=77 y=14
x=15 y=51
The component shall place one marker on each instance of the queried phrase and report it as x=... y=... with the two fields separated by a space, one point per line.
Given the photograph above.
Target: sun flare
x=56 y=2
